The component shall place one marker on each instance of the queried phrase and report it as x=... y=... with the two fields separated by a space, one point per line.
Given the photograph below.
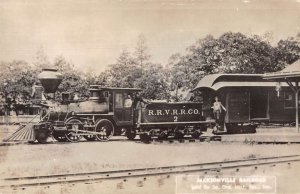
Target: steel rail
x=142 y=172
x=154 y=140
x=15 y=143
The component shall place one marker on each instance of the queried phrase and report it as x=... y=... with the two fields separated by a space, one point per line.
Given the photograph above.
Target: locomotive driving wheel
x=105 y=129
x=130 y=134
x=73 y=125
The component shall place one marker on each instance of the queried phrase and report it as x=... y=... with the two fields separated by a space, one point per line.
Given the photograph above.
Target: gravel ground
x=30 y=160
x=23 y=160
x=286 y=183
x=26 y=159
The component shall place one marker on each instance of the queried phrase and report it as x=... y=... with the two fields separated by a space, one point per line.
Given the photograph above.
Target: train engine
x=111 y=111
x=98 y=118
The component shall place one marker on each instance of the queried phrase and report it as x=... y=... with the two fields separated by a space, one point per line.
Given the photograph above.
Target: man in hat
x=218 y=113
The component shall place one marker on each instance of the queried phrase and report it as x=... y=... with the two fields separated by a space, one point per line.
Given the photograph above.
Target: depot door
x=123 y=113
x=259 y=104
x=238 y=106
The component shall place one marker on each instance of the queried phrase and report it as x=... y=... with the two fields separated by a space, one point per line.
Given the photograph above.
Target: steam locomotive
x=110 y=111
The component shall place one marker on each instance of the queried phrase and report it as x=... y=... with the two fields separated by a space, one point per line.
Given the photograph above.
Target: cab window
x=127 y=100
x=119 y=100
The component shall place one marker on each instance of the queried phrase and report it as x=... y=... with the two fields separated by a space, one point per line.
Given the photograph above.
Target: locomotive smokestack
x=50 y=79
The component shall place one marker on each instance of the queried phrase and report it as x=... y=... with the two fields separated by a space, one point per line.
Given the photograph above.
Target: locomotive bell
x=50 y=80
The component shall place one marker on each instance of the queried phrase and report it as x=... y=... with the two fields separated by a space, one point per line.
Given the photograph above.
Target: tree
x=153 y=83
x=233 y=53
x=124 y=72
x=288 y=51
x=137 y=70
x=230 y=53
x=182 y=74
x=148 y=76
x=141 y=55
x=73 y=80
x=17 y=78
x=96 y=79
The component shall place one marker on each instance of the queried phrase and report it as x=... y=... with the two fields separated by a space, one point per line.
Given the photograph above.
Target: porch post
x=297 y=105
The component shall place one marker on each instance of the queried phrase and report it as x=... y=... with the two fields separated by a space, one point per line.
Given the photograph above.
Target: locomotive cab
x=118 y=104
x=122 y=106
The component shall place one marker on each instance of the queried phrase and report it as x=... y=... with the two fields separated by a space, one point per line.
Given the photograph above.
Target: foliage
x=137 y=70
x=17 y=78
x=288 y=51
x=230 y=53
x=124 y=72
x=96 y=79
x=182 y=72
x=152 y=83
x=73 y=81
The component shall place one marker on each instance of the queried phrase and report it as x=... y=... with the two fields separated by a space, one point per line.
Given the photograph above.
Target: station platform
x=271 y=134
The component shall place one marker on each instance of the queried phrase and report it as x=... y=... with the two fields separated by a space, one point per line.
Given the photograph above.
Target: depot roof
x=217 y=81
x=290 y=73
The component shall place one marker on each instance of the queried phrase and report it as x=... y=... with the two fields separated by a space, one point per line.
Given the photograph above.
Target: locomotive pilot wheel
x=59 y=137
x=42 y=136
x=73 y=125
x=105 y=128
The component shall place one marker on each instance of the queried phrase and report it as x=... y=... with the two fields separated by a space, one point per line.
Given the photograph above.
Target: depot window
x=289 y=100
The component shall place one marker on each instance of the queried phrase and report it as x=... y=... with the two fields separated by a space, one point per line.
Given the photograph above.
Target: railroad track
x=155 y=140
x=15 y=182
x=165 y=141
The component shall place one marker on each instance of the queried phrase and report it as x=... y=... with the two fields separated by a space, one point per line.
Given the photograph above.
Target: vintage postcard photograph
x=149 y=96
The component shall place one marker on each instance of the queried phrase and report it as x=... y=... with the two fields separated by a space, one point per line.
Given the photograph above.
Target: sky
x=92 y=33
